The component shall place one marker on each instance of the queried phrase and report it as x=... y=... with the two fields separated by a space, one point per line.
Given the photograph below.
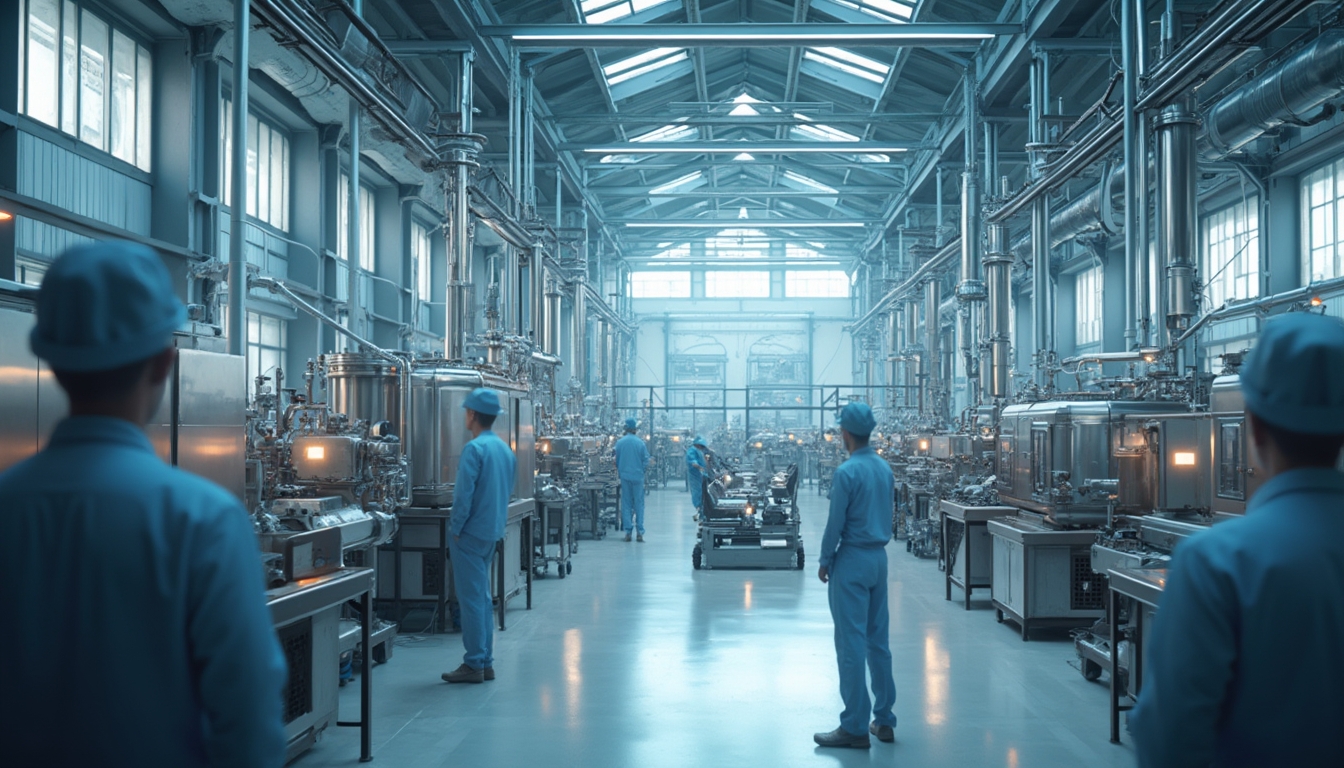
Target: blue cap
x=700 y=441
x=482 y=400
x=630 y=425
x=105 y=305
x=857 y=419
x=1294 y=376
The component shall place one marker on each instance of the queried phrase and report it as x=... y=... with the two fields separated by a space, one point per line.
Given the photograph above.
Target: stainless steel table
x=974 y=550
x=1144 y=586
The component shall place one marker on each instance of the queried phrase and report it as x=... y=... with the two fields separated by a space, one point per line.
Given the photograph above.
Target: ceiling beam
x=744 y=192
x=739 y=146
x=744 y=223
x=750 y=121
x=966 y=35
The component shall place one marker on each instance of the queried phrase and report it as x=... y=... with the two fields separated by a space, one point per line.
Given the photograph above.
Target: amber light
x=923 y=445
x=6 y=216
x=315 y=453
x=1183 y=458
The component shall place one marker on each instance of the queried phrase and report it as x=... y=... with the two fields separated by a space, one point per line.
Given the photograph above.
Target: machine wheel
x=381 y=652
x=1091 y=670
x=569 y=567
x=696 y=557
x=801 y=558
x=560 y=569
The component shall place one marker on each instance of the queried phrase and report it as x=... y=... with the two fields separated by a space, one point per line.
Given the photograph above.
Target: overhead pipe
x=1302 y=294
x=1092 y=211
x=944 y=258
x=1286 y=94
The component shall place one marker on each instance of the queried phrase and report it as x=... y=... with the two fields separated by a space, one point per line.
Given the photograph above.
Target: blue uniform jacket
x=140 y=593
x=861 y=505
x=1244 y=663
x=485 y=477
x=694 y=460
x=632 y=456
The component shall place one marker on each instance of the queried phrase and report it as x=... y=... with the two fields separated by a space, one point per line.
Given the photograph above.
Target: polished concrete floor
x=638 y=660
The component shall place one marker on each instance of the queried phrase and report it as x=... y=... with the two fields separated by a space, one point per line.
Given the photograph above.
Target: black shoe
x=464 y=674
x=640 y=537
x=841 y=738
x=882 y=732
x=489 y=674
x=627 y=536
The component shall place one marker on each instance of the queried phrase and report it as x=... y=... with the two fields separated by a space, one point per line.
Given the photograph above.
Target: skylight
x=848 y=62
x=810 y=131
x=643 y=63
x=804 y=181
x=886 y=10
x=667 y=133
x=603 y=11
x=743 y=157
x=676 y=184
x=744 y=107
x=738 y=244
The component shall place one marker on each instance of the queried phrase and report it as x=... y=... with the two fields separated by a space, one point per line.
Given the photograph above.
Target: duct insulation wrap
x=1286 y=94
x=1090 y=212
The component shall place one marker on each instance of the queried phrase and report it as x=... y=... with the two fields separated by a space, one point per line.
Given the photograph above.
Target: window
x=738 y=244
x=1231 y=239
x=1323 y=215
x=810 y=131
x=267 y=342
x=86 y=78
x=797 y=251
x=643 y=63
x=1087 y=304
x=267 y=168
x=816 y=284
x=602 y=11
x=366 y=224
x=689 y=181
x=668 y=133
x=737 y=285
x=886 y=10
x=422 y=251
x=660 y=285
x=849 y=62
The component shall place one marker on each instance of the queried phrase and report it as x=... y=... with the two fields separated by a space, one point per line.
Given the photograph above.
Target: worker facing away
x=485 y=477
x=1244 y=667
x=697 y=469
x=140 y=585
x=854 y=568
x=632 y=458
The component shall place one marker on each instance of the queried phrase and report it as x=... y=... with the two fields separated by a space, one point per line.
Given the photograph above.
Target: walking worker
x=854 y=567
x=697 y=467
x=632 y=458
x=134 y=594
x=485 y=477
x=1243 y=662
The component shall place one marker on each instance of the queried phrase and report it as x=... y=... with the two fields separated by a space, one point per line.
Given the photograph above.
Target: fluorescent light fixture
x=1183 y=458
x=777 y=148
x=781 y=223
x=650 y=36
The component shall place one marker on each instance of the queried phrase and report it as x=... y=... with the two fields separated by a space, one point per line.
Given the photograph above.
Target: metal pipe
x=943 y=259
x=237 y=319
x=1177 y=190
x=1040 y=277
x=1129 y=65
x=578 y=344
x=354 y=257
x=1145 y=355
x=933 y=368
x=971 y=290
x=913 y=356
x=459 y=247
x=551 y=323
x=998 y=272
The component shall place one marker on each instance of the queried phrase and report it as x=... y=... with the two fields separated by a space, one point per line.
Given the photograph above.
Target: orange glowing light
x=6 y=216
x=315 y=453
x=1183 y=458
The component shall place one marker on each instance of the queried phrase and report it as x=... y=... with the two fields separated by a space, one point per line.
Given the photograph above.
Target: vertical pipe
x=1132 y=152
x=1179 y=238
x=1142 y=296
x=459 y=257
x=938 y=206
x=932 y=342
x=971 y=291
x=354 y=237
x=1040 y=233
x=913 y=359
x=242 y=28
x=579 y=334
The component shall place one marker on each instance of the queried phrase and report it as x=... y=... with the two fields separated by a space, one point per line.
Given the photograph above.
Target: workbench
x=966 y=542
x=1144 y=586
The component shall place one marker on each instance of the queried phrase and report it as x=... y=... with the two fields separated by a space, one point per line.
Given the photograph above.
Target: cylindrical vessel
x=551 y=320
x=1179 y=237
x=364 y=387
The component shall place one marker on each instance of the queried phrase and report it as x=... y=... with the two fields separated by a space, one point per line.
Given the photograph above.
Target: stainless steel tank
x=364 y=387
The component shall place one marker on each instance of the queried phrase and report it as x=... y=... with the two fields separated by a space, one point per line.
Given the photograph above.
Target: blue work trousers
x=696 y=486
x=632 y=505
x=471 y=580
x=858 y=597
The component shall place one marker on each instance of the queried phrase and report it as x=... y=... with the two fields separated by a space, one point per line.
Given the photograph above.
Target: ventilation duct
x=1088 y=213
x=1284 y=95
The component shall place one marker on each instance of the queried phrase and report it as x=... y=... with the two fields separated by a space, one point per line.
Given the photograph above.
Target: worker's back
x=136 y=633
x=1255 y=609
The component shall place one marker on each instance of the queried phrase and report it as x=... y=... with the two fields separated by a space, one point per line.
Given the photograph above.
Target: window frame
x=674 y=279
x=796 y=282
x=1229 y=268
x=258 y=120
x=1331 y=214
x=717 y=283
x=1089 y=280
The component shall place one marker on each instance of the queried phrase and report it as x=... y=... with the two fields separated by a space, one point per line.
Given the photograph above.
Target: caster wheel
x=569 y=567
x=696 y=558
x=801 y=558
x=560 y=570
x=1091 y=670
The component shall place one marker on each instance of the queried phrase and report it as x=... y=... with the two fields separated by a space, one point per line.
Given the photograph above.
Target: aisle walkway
x=637 y=661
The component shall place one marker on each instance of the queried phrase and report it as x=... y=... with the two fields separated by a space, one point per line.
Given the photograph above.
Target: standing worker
x=632 y=457
x=134 y=595
x=485 y=477
x=1243 y=663
x=854 y=565
x=697 y=467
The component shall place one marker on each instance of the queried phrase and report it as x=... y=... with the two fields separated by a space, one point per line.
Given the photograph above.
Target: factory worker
x=697 y=467
x=854 y=567
x=134 y=602
x=1243 y=663
x=485 y=477
x=632 y=457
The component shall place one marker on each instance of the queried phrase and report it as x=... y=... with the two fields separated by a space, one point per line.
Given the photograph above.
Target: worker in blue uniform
x=485 y=478
x=632 y=458
x=1244 y=665
x=134 y=602
x=854 y=568
x=697 y=467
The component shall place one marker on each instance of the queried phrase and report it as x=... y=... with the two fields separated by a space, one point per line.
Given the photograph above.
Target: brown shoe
x=841 y=738
x=489 y=674
x=882 y=732
x=464 y=674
